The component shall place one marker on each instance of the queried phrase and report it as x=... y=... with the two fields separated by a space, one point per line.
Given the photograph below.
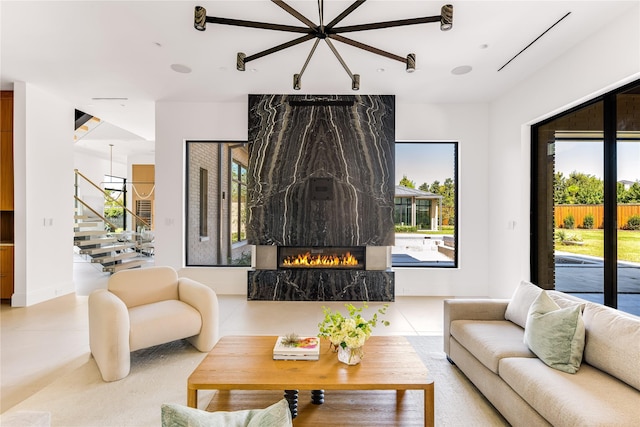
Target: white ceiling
x=81 y=50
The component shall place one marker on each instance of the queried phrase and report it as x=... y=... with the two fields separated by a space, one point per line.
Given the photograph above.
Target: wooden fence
x=580 y=211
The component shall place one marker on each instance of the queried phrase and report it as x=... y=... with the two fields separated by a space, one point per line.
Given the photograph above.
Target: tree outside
x=580 y=191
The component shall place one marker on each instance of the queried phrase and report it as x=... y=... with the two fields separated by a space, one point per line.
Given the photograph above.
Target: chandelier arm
x=296 y=14
x=385 y=24
x=255 y=24
x=345 y=13
x=335 y=52
x=368 y=48
x=279 y=47
x=313 y=49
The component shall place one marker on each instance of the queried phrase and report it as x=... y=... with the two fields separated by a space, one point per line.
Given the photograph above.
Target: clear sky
x=586 y=157
x=427 y=162
x=424 y=162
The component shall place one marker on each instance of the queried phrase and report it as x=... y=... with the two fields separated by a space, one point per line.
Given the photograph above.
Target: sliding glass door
x=578 y=213
x=628 y=199
x=586 y=201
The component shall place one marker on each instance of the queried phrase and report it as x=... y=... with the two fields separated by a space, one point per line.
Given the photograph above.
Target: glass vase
x=350 y=356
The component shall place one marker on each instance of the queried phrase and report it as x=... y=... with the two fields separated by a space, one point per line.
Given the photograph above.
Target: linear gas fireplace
x=348 y=258
x=327 y=273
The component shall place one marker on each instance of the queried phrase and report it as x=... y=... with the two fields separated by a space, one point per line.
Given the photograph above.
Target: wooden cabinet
x=6 y=111
x=6 y=150
x=6 y=271
x=6 y=171
x=6 y=194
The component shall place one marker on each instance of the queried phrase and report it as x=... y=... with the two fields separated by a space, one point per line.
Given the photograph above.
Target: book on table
x=302 y=348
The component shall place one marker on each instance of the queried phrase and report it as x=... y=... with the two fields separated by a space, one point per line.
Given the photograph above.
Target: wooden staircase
x=112 y=250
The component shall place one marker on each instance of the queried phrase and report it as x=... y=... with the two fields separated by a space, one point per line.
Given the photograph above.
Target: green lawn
x=593 y=244
x=446 y=229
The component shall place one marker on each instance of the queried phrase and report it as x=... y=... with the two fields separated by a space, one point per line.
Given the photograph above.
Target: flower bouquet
x=348 y=334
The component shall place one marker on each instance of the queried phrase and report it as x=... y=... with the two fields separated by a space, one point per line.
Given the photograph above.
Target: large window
x=116 y=187
x=586 y=201
x=216 y=204
x=425 y=213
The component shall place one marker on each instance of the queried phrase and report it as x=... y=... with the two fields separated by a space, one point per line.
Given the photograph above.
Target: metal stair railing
x=96 y=213
x=108 y=197
x=105 y=246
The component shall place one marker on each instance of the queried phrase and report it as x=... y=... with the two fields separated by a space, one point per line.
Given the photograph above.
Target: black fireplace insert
x=330 y=257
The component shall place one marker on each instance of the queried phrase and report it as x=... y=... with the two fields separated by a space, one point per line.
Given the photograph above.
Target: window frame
x=218 y=239
x=456 y=234
x=540 y=216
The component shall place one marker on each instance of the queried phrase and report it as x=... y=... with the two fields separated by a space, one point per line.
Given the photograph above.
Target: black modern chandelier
x=326 y=32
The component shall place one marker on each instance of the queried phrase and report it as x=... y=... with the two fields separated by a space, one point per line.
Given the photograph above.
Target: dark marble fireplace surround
x=321 y=174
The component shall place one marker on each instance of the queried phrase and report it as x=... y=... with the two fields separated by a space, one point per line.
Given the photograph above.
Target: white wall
x=598 y=64
x=177 y=122
x=467 y=124
x=43 y=170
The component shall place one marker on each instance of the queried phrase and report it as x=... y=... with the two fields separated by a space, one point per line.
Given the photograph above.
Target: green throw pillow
x=554 y=334
x=276 y=415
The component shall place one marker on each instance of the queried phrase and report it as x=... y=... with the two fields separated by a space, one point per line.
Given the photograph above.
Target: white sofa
x=146 y=307
x=484 y=338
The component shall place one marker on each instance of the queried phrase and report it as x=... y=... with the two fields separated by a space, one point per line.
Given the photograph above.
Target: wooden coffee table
x=246 y=363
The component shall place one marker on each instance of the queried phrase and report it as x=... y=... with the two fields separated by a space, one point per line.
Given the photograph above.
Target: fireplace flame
x=309 y=260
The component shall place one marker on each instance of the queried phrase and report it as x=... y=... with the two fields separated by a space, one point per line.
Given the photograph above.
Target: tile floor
x=45 y=341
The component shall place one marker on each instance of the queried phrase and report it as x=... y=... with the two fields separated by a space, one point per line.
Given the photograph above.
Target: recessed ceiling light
x=157 y=44
x=463 y=69
x=484 y=46
x=380 y=70
x=179 y=68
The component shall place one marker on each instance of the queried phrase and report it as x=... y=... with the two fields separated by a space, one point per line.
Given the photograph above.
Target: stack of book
x=300 y=348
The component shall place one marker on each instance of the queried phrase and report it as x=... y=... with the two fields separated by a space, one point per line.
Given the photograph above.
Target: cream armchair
x=146 y=307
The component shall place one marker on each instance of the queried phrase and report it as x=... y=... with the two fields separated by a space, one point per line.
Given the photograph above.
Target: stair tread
x=84 y=233
x=92 y=242
x=87 y=224
x=125 y=265
x=105 y=249
x=121 y=256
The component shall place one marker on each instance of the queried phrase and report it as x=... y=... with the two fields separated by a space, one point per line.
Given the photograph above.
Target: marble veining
x=320 y=285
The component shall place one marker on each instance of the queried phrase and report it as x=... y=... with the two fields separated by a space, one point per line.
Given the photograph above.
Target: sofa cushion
x=554 y=334
x=276 y=415
x=490 y=340
x=613 y=342
x=588 y=398
x=520 y=302
x=162 y=322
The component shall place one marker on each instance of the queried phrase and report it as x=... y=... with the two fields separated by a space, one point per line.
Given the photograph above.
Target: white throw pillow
x=518 y=307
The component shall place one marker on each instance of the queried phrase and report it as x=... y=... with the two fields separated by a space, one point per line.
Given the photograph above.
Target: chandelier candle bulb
x=200 y=18
x=240 y=62
x=411 y=62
